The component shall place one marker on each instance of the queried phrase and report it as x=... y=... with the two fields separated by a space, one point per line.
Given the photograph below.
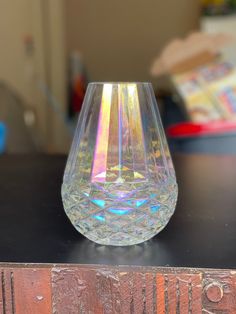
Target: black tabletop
x=34 y=227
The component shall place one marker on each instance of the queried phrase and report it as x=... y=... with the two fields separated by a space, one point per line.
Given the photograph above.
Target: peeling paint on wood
x=126 y=284
x=65 y=289
x=196 y=299
x=68 y=291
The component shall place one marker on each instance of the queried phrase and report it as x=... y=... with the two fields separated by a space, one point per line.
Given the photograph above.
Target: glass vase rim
x=119 y=83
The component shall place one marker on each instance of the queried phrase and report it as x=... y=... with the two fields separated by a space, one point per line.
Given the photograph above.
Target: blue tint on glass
x=99 y=203
x=155 y=208
x=119 y=212
x=100 y=218
x=140 y=203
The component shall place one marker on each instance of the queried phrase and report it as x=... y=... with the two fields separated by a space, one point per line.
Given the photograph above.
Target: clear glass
x=119 y=186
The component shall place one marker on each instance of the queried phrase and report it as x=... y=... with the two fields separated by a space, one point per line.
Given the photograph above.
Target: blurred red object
x=78 y=92
x=78 y=82
x=188 y=129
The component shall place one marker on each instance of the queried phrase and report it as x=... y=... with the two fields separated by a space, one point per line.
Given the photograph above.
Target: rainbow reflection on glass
x=119 y=186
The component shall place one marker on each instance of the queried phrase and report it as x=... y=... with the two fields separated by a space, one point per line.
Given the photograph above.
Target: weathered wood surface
x=69 y=289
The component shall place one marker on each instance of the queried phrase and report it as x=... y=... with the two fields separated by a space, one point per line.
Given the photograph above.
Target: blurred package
x=208 y=92
x=203 y=80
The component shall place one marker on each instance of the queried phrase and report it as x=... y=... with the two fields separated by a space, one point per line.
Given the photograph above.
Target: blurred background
x=51 y=49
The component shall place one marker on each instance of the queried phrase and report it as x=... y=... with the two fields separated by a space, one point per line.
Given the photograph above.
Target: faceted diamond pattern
x=119 y=185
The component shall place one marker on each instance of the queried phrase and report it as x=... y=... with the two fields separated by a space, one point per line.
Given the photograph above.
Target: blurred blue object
x=3 y=132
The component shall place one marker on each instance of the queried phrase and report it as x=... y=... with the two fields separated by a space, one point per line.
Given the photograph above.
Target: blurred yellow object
x=213 y=2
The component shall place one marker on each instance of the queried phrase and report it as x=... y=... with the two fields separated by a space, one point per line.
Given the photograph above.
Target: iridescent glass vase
x=119 y=186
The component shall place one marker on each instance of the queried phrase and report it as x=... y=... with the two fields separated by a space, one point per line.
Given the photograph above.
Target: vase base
x=123 y=239
x=106 y=217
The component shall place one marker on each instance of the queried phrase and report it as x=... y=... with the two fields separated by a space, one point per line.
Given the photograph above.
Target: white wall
x=222 y=24
x=15 y=24
x=25 y=73
x=119 y=39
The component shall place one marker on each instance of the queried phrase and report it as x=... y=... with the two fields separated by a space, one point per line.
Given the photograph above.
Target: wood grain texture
x=25 y=290
x=196 y=299
x=183 y=294
x=138 y=292
x=150 y=289
x=172 y=294
x=7 y=292
x=125 y=291
x=69 y=289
